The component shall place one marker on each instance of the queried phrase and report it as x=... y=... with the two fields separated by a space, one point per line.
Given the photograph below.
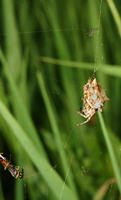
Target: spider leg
x=83 y=115
x=81 y=123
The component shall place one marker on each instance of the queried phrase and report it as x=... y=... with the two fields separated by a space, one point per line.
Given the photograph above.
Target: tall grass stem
x=111 y=151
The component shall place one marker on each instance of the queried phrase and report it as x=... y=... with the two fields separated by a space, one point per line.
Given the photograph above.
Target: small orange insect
x=14 y=170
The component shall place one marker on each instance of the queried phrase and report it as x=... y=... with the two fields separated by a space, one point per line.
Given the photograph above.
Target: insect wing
x=14 y=171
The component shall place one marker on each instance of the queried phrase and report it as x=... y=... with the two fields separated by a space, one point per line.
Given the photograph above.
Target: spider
x=94 y=99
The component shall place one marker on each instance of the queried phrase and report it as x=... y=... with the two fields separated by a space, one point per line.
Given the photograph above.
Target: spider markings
x=14 y=170
x=94 y=99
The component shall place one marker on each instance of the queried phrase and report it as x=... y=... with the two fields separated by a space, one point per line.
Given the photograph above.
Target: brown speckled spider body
x=94 y=99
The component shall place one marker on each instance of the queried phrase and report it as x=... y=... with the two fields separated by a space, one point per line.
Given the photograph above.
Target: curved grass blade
x=55 y=183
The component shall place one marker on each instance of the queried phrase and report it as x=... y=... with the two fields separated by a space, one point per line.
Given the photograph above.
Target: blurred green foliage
x=48 y=51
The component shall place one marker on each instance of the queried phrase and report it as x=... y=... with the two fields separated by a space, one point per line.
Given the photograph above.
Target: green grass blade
x=20 y=108
x=12 y=40
x=52 y=179
x=1 y=192
x=110 y=150
x=19 y=191
x=53 y=122
x=113 y=70
x=115 y=14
